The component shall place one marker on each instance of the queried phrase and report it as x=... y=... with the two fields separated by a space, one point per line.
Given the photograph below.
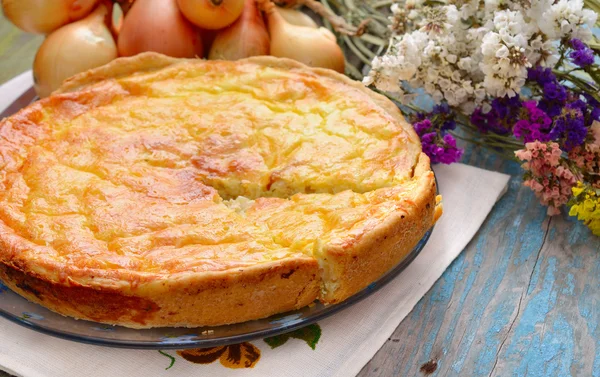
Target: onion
x=211 y=14
x=73 y=48
x=208 y=36
x=159 y=26
x=246 y=37
x=45 y=16
x=313 y=47
x=296 y=17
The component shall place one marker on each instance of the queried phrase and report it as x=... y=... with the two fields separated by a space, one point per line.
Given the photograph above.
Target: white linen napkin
x=349 y=339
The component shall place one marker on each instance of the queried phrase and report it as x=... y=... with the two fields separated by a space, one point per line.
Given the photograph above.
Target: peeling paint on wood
x=523 y=299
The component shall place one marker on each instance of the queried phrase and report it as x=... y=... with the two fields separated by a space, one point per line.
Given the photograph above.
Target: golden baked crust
x=166 y=192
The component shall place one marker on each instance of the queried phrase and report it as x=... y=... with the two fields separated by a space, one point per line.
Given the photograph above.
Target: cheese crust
x=169 y=192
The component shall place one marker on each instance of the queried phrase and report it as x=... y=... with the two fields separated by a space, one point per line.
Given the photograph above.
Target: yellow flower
x=577 y=190
x=586 y=207
x=573 y=210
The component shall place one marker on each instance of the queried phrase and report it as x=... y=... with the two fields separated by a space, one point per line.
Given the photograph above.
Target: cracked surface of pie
x=163 y=192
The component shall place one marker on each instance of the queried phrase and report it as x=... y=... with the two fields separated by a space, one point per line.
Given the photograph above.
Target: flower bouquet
x=517 y=76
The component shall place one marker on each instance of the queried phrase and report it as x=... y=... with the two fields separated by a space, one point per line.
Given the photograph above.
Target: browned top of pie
x=140 y=175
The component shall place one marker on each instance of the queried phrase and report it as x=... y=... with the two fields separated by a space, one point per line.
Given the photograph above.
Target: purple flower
x=526 y=130
x=553 y=91
x=595 y=107
x=423 y=126
x=500 y=118
x=452 y=153
x=581 y=55
x=554 y=98
x=554 y=94
x=441 y=150
x=569 y=128
x=444 y=116
x=533 y=125
x=436 y=142
x=583 y=58
x=577 y=44
x=441 y=116
x=540 y=75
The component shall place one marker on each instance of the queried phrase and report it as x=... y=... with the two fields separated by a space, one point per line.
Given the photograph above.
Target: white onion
x=45 y=16
x=74 y=48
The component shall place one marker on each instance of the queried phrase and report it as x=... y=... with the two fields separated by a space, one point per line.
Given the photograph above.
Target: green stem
x=561 y=58
x=352 y=71
x=383 y=3
x=594 y=75
x=350 y=4
x=490 y=143
x=356 y=51
x=364 y=49
x=326 y=5
x=491 y=138
x=587 y=87
x=373 y=39
x=506 y=155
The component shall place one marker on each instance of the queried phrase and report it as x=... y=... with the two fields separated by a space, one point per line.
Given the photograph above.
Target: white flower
x=465 y=63
x=567 y=18
x=537 y=9
x=480 y=94
x=542 y=52
x=414 y=3
x=400 y=64
x=452 y=14
x=491 y=6
x=445 y=55
x=383 y=74
x=504 y=62
x=438 y=20
x=468 y=9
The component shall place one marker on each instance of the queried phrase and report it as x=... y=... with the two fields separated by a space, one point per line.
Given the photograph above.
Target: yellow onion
x=246 y=37
x=45 y=16
x=208 y=36
x=73 y=48
x=316 y=47
x=159 y=26
x=296 y=17
x=211 y=14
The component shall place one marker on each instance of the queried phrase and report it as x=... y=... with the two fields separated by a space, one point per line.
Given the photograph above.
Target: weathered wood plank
x=522 y=300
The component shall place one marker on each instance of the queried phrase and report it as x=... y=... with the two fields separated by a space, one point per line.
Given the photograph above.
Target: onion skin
x=211 y=14
x=45 y=16
x=159 y=26
x=246 y=37
x=73 y=48
x=296 y=17
x=313 y=47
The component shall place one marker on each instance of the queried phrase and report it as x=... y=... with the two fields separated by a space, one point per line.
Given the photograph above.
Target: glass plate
x=38 y=318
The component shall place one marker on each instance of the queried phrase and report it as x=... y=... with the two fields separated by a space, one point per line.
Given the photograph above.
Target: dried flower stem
x=338 y=23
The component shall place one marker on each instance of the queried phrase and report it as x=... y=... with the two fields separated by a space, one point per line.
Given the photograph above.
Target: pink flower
x=547 y=174
x=595 y=130
x=523 y=154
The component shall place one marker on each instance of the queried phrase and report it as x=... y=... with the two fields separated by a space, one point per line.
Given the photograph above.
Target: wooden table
x=523 y=299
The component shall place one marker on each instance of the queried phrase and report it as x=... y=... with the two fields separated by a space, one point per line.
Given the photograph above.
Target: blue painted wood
x=523 y=299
